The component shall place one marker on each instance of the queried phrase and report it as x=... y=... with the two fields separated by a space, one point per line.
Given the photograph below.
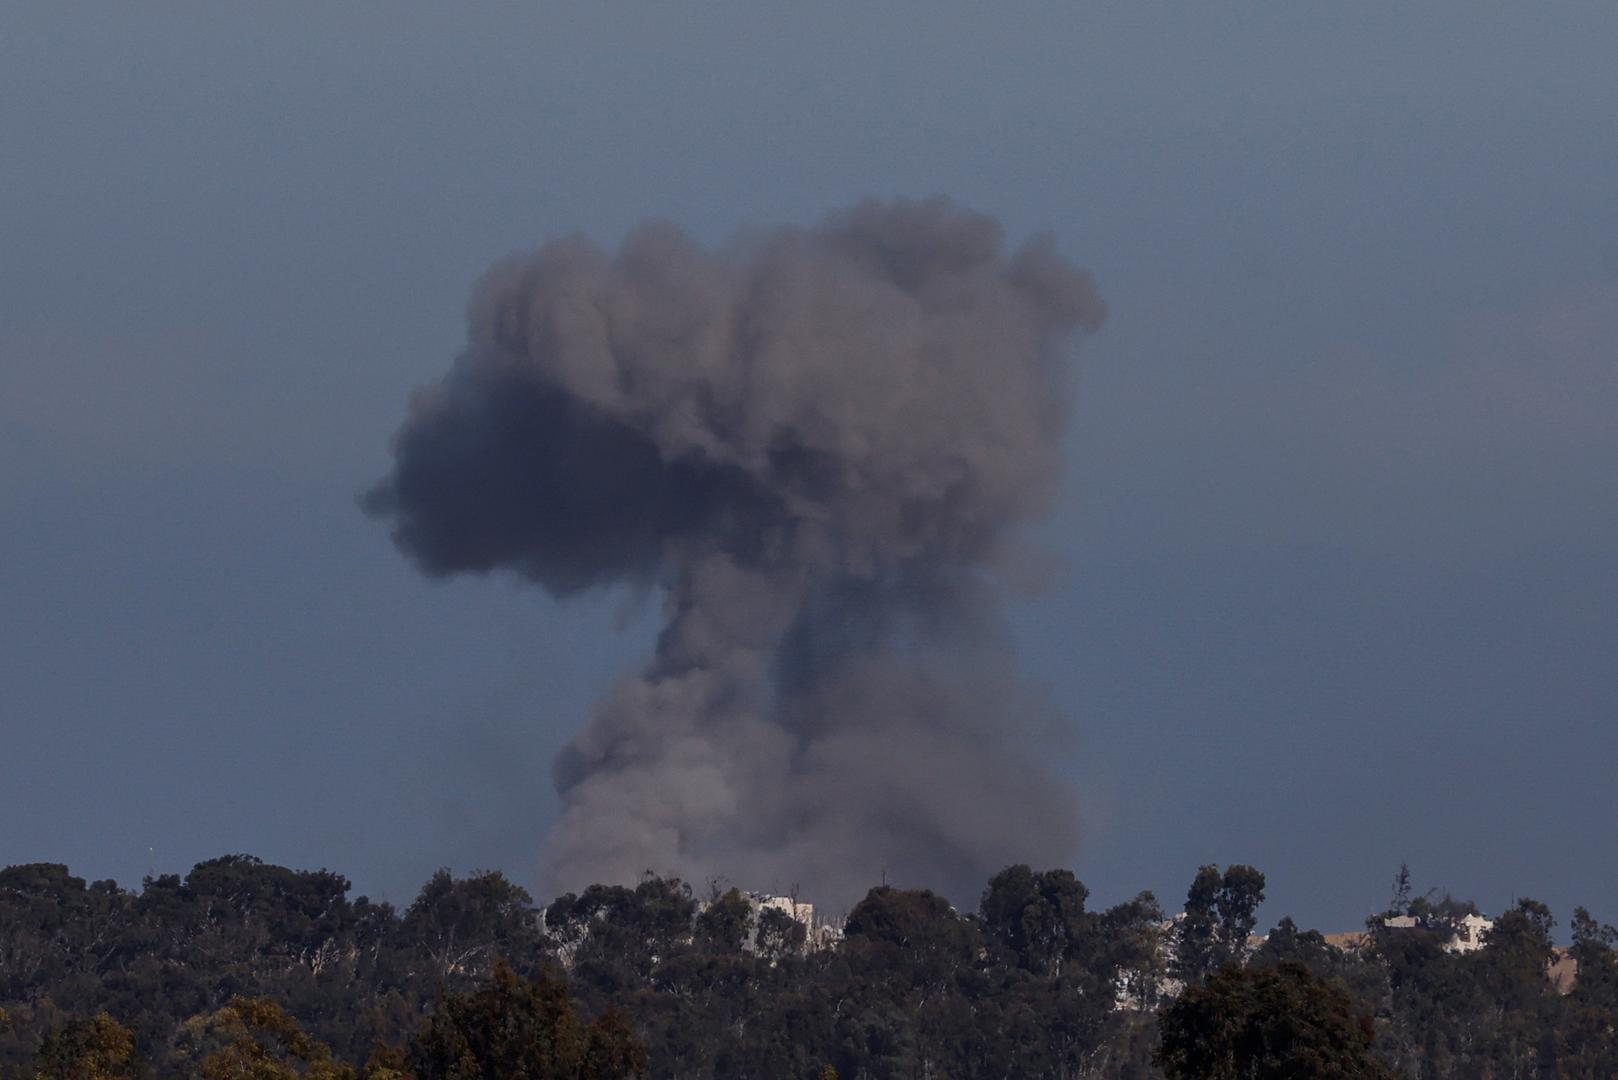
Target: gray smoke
x=816 y=442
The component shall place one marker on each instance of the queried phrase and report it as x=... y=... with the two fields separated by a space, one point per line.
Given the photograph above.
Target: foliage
x=722 y=926
x=1267 y=1022
x=99 y=1048
x=1220 y=913
x=255 y=1039
x=516 y=1029
x=241 y=969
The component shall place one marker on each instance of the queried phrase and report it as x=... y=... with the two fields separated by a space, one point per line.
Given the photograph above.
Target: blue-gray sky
x=1338 y=584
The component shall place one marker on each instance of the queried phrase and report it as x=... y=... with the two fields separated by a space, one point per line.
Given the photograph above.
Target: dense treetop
x=241 y=969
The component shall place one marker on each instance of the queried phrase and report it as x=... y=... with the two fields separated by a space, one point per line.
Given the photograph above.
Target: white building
x=1468 y=934
x=797 y=910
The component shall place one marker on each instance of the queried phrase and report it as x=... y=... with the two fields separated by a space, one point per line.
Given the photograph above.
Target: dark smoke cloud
x=816 y=443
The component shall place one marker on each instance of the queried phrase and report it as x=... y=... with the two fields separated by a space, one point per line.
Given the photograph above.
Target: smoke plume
x=816 y=442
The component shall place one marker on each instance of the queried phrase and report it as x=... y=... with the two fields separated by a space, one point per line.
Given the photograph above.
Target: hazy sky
x=1338 y=580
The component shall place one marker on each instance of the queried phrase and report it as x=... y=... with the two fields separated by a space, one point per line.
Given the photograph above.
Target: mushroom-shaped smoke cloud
x=816 y=442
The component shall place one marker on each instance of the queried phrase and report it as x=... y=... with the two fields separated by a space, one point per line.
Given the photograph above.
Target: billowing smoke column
x=815 y=442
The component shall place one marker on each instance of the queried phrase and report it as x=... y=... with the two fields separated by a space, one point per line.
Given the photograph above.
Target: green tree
x=616 y=936
x=56 y=929
x=1271 y=1023
x=1516 y=954
x=465 y=924
x=1040 y=917
x=612 y=1050
x=99 y=1048
x=1399 y=903
x=517 y=1029
x=779 y=935
x=1593 y=950
x=256 y=1039
x=388 y=1062
x=1241 y=891
x=722 y=926
x=1587 y=1037
x=1220 y=913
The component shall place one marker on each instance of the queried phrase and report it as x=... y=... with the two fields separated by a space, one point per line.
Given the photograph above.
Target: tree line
x=243 y=970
